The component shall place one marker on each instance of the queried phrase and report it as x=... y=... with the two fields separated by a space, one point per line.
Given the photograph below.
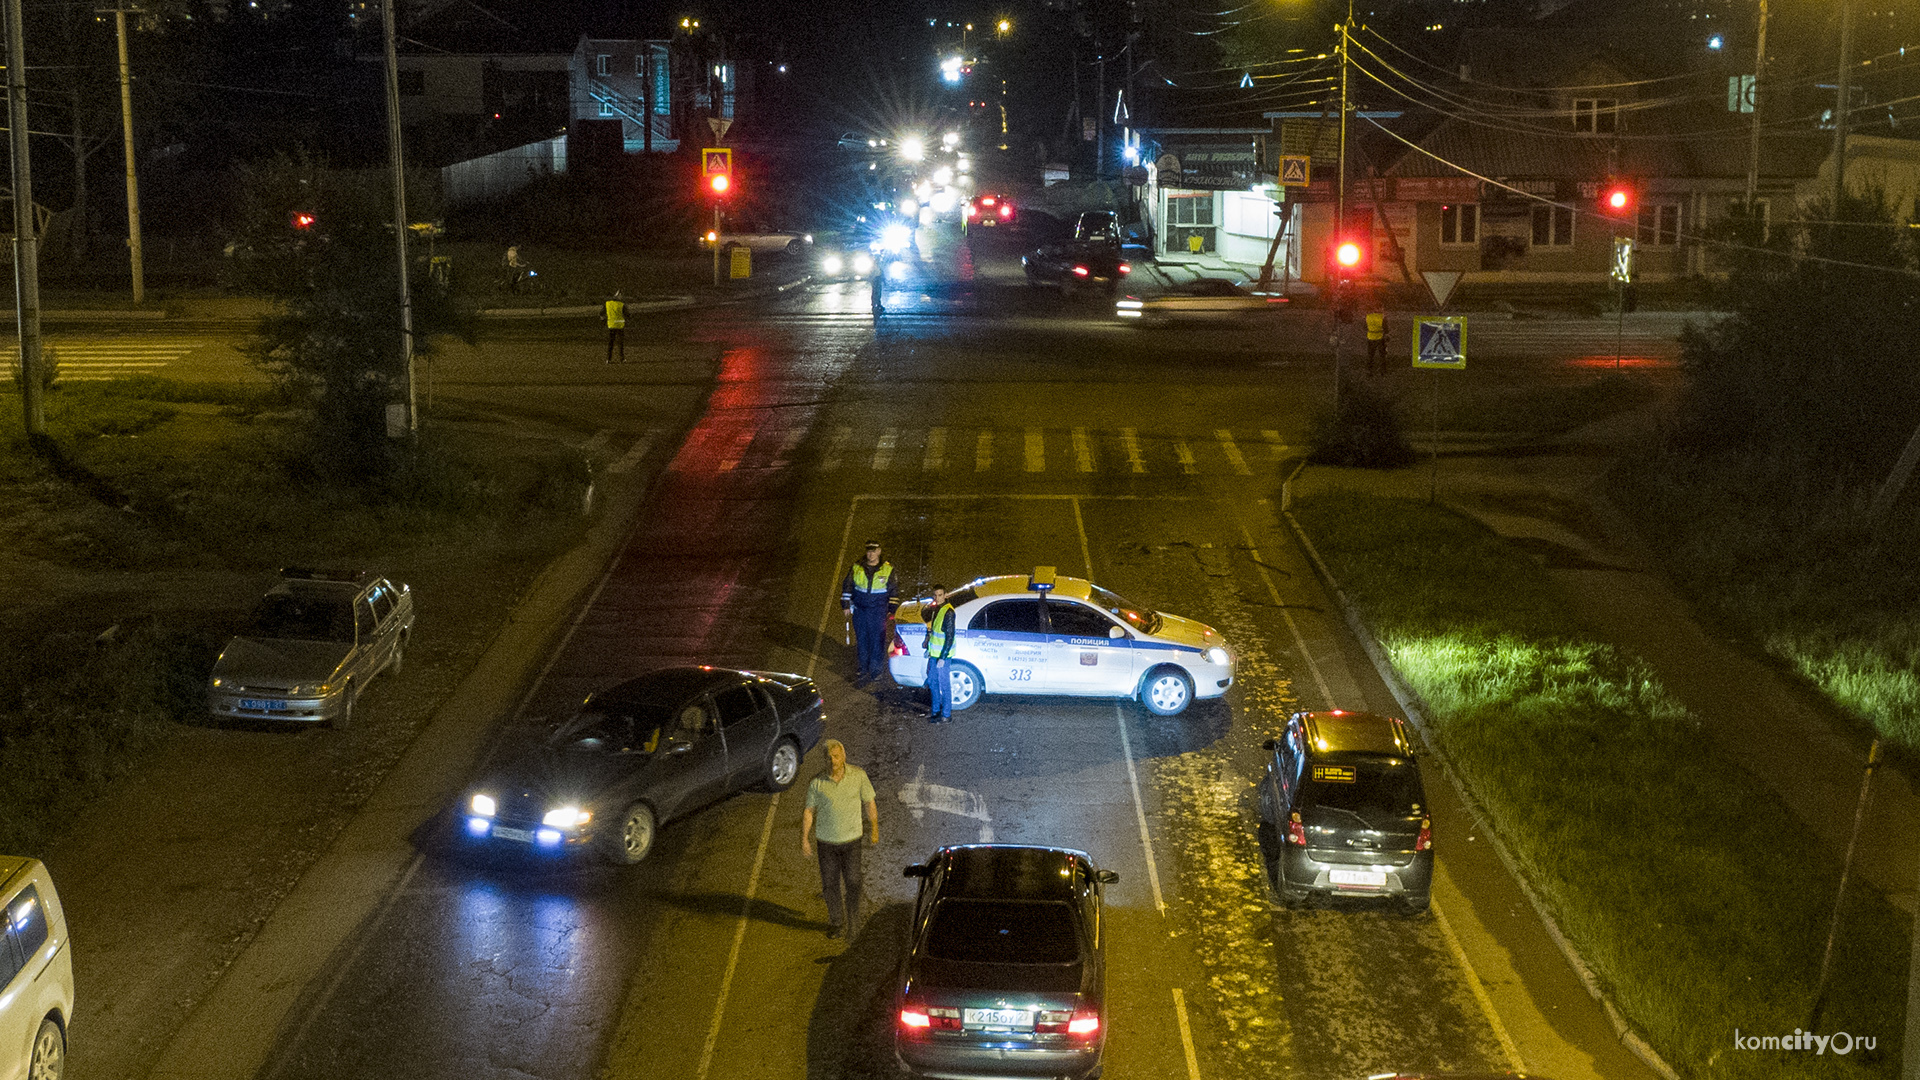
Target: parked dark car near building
x=1005 y=972
x=644 y=752
x=1349 y=813
x=1091 y=259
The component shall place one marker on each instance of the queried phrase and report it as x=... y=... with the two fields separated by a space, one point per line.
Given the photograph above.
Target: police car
x=1045 y=634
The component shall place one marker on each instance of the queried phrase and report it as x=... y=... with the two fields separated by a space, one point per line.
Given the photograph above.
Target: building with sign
x=1206 y=192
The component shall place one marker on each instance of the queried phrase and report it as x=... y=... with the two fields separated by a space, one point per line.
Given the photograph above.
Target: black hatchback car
x=1350 y=818
x=641 y=753
x=1005 y=974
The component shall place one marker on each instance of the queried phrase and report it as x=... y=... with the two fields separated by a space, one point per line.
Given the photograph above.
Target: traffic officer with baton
x=867 y=597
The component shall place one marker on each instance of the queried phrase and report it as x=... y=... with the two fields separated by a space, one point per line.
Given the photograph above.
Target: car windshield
x=606 y=731
x=1003 y=932
x=289 y=616
x=1142 y=619
x=1368 y=787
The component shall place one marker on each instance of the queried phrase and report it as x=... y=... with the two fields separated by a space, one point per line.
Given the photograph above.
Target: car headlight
x=218 y=682
x=832 y=264
x=863 y=263
x=484 y=805
x=1217 y=655
x=566 y=817
x=310 y=690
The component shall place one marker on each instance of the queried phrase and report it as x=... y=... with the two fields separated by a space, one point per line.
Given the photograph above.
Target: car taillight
x=1052 y=1022
x=1125 y=269
x=915 y=1018
x=1081 y=271
x=1424 y=841
x=1084 y=1023
x=973 y=211
x=944 y=1019
x=1296 y=832
x=1005 y=210
x=895 y=645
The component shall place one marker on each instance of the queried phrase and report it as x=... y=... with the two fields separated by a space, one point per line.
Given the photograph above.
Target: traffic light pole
x=716 y=244
x=1340 y=215
x=399 y=210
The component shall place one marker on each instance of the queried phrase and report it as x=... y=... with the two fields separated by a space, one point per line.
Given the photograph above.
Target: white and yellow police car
x=1046 y=634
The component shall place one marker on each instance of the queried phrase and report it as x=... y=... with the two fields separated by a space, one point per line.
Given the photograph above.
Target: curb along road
x=1415 y=710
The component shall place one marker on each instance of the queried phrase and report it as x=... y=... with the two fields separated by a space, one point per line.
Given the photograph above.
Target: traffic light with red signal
x=301 y=220
x=716 y=172
x=1619 y=200
x=1349 y=258
x=718 y=184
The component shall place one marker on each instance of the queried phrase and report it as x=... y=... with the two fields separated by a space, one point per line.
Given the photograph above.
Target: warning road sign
x=1440 y=342
x=716 y=162
x=1295 y=170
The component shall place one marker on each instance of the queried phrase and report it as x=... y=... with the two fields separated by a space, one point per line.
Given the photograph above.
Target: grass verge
x=148 y=495
x=1799 y=569
x=1677 y=877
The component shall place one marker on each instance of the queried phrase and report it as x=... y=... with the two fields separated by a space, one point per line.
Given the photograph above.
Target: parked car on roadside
x=1343 y=795
x=311 y=646
x=641 y=753
x=36 y=972
x=1005 y=973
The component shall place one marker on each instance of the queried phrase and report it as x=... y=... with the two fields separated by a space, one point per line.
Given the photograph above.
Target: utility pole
x=26 y=243
x=1340 y=213
x=133 y=182
x=1840 y=107
x=399 y=206
x=1759 y=72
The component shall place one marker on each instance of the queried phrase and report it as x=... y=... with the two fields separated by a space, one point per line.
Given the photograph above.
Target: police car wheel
x=1166 y=692
x=964 y=686
x=783 y=764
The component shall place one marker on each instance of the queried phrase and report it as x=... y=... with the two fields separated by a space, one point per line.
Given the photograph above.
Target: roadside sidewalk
x=1554 y=502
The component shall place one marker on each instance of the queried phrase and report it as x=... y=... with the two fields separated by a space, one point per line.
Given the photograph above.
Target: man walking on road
x=617 y=327
x=1377 y=342
x=836 y=803
x=867 y=597
x=939 y=651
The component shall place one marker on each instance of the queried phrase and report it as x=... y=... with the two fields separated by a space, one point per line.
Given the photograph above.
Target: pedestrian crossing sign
x=1440 y=342
x=1295 y=170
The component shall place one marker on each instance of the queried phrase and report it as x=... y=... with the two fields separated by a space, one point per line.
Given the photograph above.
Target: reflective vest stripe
x=1376 y=326
x=877 y=584
x=616 y=315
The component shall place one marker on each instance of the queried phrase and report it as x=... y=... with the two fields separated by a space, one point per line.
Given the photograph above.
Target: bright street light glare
x=950 y=140
x=950 y=69
x=896 y=237
x=943 y=176
x=913 y=148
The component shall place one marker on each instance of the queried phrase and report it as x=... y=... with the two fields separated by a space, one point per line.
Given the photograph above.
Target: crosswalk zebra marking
x=787 y=446
x=98 y=361
x=936 y=455
x=1274 y=445
x=983 y=451
x=1036 y=450
x=883 y=450
x=1130 y=441
x=1082 y=449
x=738 y=450
x=1185 y=453
x=835 y=448
x=1232 y=450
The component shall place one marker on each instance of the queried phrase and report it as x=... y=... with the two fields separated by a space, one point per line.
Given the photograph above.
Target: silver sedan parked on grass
x=311 y=646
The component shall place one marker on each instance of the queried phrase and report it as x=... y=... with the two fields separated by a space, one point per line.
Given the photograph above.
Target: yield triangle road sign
x=719 y=124
x=1440 y=283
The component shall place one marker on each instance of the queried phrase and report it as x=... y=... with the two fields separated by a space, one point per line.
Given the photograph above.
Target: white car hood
x=277 y=663
x=1182 y=631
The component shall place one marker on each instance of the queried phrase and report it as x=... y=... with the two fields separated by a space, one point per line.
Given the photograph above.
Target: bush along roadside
x=1687 y=887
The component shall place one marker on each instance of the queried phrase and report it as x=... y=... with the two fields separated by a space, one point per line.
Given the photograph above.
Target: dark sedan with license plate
x=1005 y=974
x=639 y=754
x=1342 y=793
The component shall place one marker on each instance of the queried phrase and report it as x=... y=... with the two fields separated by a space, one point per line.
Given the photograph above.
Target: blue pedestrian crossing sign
x=1440 y=342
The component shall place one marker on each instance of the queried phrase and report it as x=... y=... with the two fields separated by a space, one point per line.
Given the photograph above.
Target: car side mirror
x=1116 y=633
x=1106 y=877
x=916 y=870
x=1270 y=744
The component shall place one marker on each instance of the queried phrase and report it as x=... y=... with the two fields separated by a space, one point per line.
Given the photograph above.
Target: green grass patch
x=1797 y=568
x=1684 y=884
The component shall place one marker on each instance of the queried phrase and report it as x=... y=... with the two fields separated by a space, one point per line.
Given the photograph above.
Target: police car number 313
x=1041 y=633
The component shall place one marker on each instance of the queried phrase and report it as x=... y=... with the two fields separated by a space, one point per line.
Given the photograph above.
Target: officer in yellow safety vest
x=1377 y=342
x=617 y=327
x=940 y=640
x=867 y=597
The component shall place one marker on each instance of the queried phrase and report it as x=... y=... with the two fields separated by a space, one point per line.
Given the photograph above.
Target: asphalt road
x=969 y=446
x=979 y=427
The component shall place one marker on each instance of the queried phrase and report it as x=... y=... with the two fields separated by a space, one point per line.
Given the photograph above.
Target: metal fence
x=504 y=172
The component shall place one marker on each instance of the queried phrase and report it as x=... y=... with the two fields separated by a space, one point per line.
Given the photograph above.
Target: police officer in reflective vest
x=1376 y=342
x=617 y=327
x=867 y=596
x=940 y=639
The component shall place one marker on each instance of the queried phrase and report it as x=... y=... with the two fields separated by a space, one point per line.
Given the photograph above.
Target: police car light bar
x=1042 y=579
